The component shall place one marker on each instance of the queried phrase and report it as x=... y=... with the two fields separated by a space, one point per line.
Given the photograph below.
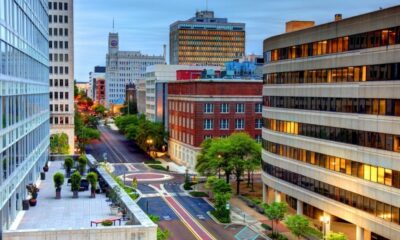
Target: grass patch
x=152 y=162
x=221 y=219
x=198 y=194
x=157 y=167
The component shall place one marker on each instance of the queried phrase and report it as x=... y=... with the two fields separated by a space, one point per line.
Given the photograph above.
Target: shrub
x=58 y=179
x=198 y=194
x=82 y=162
x=106 y=223
x=157 y=167
x=277 y=236
x=266 y=227
x=188 y=186
x=76 y=181
x=92 y=179
x=223 y=218
x=68 y=163
x=152 y=162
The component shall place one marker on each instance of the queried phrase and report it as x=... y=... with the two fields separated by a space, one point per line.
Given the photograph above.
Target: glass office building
x=206 y=40
x=24 y=100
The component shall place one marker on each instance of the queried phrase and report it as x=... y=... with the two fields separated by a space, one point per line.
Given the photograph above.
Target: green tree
x=99 y=109
x=217 y=185
x=232 y=156
x=336 y=236
x=59 y=144
x=299 y=226
x=222 y=193
x=275 y=212
x=161 y=234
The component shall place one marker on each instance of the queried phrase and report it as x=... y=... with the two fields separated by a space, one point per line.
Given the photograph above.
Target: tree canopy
x=299 y=226
x=336 y=236
x=231 y=156
x=59 y=144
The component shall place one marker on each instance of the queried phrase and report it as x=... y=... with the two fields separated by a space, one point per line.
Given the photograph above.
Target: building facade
x=206 y=40
x=202 y=109
x=331 y=141
x=122 y=68
x=97 y=84
x=83 y=87
x=157 y=79
x=24 y=101
x=61 y=56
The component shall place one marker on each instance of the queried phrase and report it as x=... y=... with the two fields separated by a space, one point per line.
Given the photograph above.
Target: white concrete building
x=331 y=136
x=61 y=44
x=24 y=102
x=122 y=68
x=157 y=77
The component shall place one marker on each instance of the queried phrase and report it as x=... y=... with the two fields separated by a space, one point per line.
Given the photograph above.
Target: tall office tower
x=206 y=40
x=24 y=101
x=331 y=137
x=123 y=68
x=61 y=44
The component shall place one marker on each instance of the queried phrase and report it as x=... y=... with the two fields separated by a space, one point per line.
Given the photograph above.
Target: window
x=208 y=124
x=239 y=124
x=208 y=108
x=258 y=138
x=239 y=108
x=258 y=124
x=65 y=6
x=224 y=124
x=224 y=108
x=258 y=108
x=65 y=19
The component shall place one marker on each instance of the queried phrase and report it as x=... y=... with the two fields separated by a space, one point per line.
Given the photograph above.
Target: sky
x=143 y=25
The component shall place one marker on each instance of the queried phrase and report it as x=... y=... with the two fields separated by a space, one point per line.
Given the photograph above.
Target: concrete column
x=264 y=194
x=277 y=196
x=299 y=207
x=359 y=233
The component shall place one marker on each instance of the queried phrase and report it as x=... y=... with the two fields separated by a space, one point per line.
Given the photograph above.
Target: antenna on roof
x=113 y=25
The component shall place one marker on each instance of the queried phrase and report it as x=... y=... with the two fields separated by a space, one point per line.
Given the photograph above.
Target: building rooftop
x=67 y=212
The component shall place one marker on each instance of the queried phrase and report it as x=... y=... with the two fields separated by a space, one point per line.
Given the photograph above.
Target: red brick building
x=100 y=91
x=201 y=109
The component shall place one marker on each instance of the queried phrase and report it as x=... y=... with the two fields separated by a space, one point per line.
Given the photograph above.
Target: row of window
x=59 y=108
x=58 y=6
x=225 y=108
x=384 y=37
x=258 y=138
x=367 y=172
x=372 y=206
x=58 y=44
x=58 y=19
x=59 y=82
x=211 y=32
x=387 y=107
x=14 y=109
x=58 y=31
x=381 y=72
x=59 y=120
x=224 y=124
x=376 y=140
x=59 y=94
x=12 y=157
x=58 y=57
x=58 y=70
x=16 y=63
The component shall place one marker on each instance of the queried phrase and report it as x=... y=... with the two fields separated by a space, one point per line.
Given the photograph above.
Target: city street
x=184 y=216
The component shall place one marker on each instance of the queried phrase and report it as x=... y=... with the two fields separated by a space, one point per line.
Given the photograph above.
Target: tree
x=222 y=193
x=99 y=109
x=275 y=212
x=299 y=226
x=336 y=236
x=59 y=144
x=232 y=155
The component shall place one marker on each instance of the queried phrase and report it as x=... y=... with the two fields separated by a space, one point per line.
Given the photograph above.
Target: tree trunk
x=227 y=175
x=237 y=184
x=248 y=178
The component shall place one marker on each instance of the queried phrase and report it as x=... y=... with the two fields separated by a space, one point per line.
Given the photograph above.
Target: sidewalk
x=241 y=213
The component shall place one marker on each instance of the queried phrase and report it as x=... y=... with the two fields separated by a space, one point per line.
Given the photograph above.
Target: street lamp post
x=325 y=220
